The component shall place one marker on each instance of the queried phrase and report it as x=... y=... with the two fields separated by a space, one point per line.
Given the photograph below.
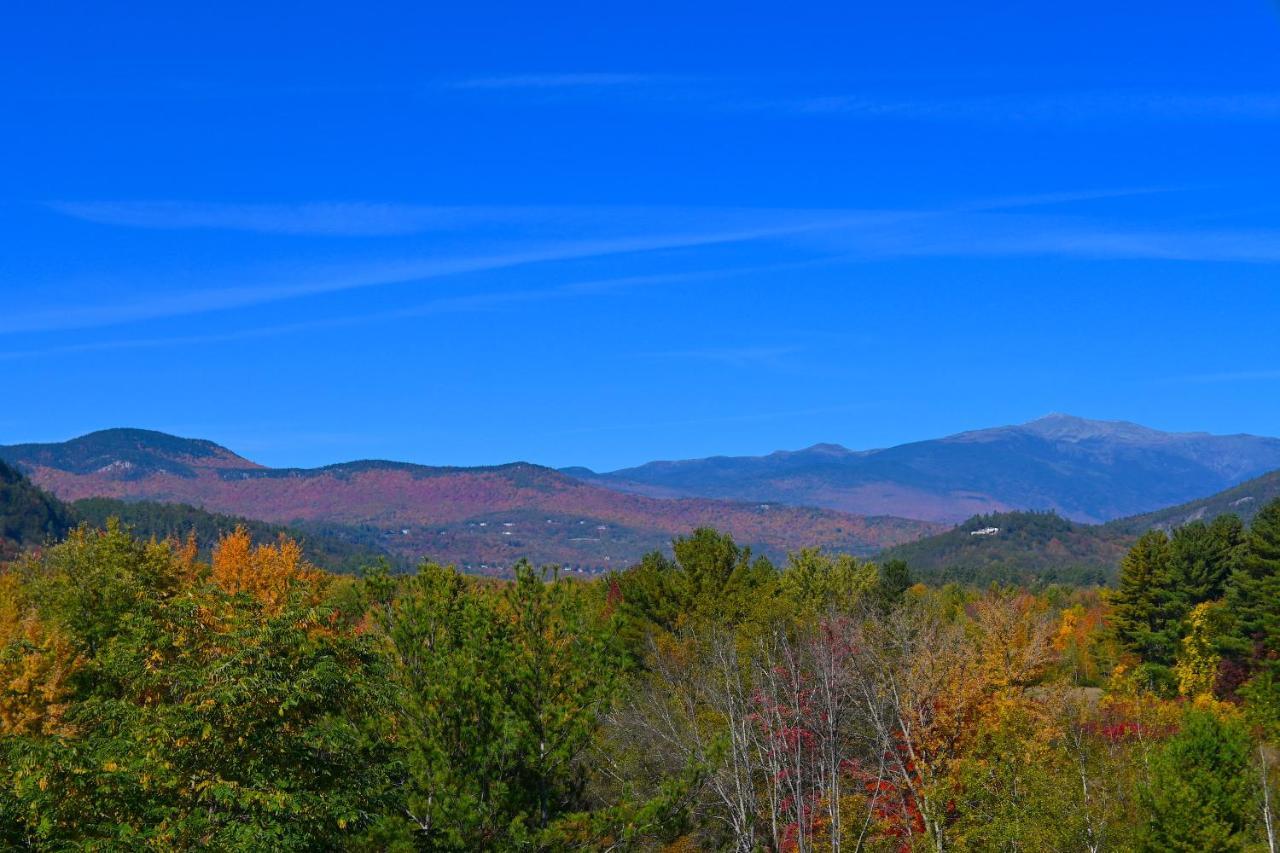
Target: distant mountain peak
x=128 y=452
x=821 y=449
x=829 y=447
x=1064 y=427
x=1085 y=469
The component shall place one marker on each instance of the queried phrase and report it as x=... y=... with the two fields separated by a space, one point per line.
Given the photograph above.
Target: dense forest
x=151 y=698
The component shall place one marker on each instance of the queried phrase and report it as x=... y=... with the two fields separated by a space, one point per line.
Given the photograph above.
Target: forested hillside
x=1244 y=500
x=1027 y=548
x=1038 y=548
x=334 y=547
x=28 y=515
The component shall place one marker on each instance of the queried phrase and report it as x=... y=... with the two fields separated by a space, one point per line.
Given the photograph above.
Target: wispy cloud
x=370 y=219
x=990 y=235
x=473 y=303
x=750 y=417
x=749 y=356
x=992 y=228
x=324 y=219
x=1230 y=376
x=1112 y=106
x=322 y=281
x=891 y=101
x=1099 y=242
x=576 y=80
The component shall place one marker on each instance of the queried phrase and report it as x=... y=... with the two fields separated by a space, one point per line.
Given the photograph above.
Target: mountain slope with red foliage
x=481 y=518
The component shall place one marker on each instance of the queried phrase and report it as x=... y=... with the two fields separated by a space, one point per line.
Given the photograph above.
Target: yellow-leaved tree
x=36 y=661
x=269 y=573
x=1197 y=663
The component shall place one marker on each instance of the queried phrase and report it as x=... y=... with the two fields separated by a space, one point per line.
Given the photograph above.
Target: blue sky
x=601 y=234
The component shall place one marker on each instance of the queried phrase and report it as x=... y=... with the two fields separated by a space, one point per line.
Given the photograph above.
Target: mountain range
x=1070 y=473
x=1084 y=470
x=480 y=518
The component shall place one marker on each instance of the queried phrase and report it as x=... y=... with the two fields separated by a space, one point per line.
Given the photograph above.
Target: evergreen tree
x=710 y=579
x=1143 y=619
x=1200 y=795
x=1253 y=596
x=1201 y=560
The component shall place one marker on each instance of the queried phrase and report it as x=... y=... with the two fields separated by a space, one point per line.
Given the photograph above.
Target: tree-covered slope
x=1016 y=547
x=334 y=547
x=28 y=515
x=125 y=454
x=1243 y=500
x=1027 y=547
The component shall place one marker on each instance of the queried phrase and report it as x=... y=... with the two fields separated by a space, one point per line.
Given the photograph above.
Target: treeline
x=338 y=548
x=153 y=699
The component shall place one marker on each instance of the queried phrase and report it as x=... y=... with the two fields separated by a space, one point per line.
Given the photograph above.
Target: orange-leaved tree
x=269 y=573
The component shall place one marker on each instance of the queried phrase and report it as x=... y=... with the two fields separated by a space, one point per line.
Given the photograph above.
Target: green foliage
x=711 y=578
x=28 y=515
x=1243 y=500
x=499 y=688
x=1143 y=616
x=702 y=701
x=1262 y=704
x=1202 y=558
x=1253 y=594
x=1015 y=787
x=1200 y=795
x=815 y=583
x=194 y=718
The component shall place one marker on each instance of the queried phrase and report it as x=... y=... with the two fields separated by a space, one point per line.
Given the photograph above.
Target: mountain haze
x=1084 y=470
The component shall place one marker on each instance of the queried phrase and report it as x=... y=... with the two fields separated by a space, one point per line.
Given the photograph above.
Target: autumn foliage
x=700 y=700
x=268 y=572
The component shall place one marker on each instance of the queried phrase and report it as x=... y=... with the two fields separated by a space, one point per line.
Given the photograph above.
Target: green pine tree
x=1200 y=796
x=1201 y=560
x=1253 y=595
x=1143 y=618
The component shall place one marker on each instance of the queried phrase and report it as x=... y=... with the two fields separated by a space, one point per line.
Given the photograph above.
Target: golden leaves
x=267 y=572
x=36 y=662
